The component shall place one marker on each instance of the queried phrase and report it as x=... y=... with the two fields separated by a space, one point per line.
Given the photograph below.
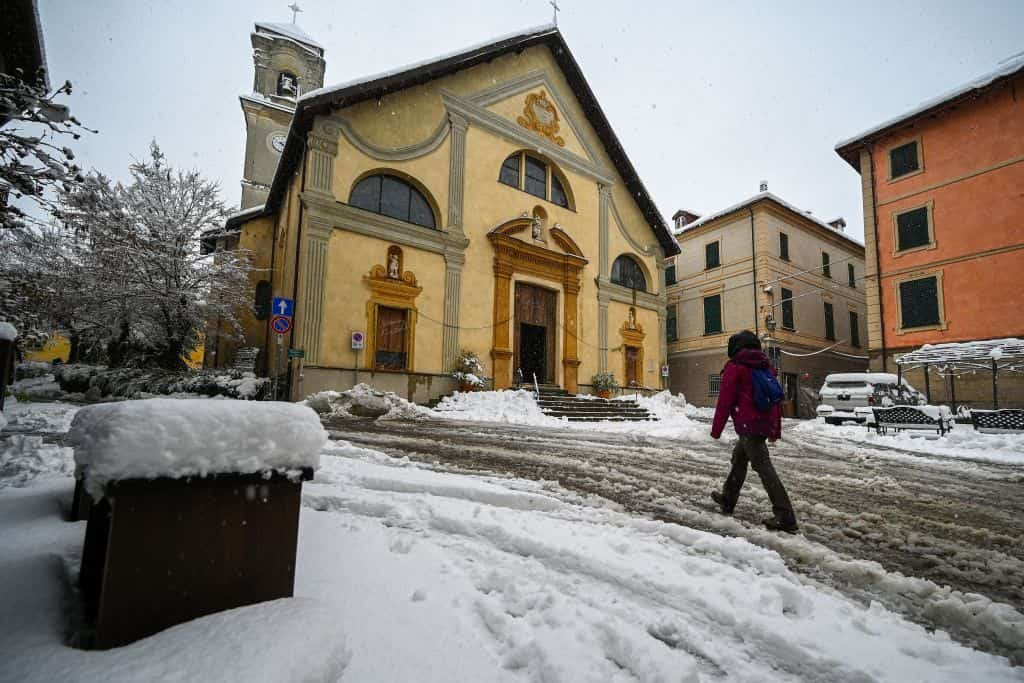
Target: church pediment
x=533 y=233
x=534 y=104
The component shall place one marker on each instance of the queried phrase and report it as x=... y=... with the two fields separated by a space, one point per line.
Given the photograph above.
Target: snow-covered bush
x=32 y=368
x=364 y=401
x=136 y=382
x=469 y=370
x=604 y=381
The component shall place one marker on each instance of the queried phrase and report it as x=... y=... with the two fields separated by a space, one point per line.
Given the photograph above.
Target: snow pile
x=963 y=442
x=509 y=406
x=363 y=400
x=36 y=418
x=163 y=437
x=7 y=331
x=662 y=405
x=42 y=387
x=24 y=457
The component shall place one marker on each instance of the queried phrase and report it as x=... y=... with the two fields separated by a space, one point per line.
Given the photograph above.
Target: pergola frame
x=992 y=355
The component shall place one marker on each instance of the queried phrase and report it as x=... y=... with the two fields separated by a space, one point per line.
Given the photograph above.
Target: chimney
x=764 y=186
x=838 y=224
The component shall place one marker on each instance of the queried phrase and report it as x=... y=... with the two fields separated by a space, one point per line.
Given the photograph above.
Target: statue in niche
x=393 y=266
x=631 y=321
x=536 y=227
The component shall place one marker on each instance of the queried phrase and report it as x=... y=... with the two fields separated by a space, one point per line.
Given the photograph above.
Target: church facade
x=479 y=202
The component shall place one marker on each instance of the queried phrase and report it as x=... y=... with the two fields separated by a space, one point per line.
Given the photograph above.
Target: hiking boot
x=773 y=524
x=720 y=501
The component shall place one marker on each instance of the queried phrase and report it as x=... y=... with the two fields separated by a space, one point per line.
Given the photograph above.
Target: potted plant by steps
x=468 y=371
x=604 y=384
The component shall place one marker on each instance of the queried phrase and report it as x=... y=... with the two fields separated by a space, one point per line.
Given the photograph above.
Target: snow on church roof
x=1008 y=68
x=289 y=31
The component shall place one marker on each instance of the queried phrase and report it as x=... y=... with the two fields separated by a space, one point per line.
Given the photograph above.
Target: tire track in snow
x=951 y=527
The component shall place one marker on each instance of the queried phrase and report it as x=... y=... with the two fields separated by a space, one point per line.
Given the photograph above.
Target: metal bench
x=1006 y=421
x=908 y=417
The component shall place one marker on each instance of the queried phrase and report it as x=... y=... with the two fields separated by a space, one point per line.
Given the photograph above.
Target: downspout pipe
x=753 y=260
x=878 y=260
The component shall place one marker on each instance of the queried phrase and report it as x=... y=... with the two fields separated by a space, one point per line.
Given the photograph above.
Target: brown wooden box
x=159 y=552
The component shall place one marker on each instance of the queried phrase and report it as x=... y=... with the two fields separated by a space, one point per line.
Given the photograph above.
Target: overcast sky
x=707 y=98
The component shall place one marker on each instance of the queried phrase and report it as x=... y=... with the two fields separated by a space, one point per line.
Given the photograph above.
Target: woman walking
x=739 y=395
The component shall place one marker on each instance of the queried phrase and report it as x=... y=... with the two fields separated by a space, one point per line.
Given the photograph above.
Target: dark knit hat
x=743 y=340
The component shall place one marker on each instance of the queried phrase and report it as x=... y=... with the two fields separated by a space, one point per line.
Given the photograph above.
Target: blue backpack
x=767 y=390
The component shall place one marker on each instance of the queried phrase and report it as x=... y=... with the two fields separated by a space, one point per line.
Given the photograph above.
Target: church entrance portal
x=535 y=316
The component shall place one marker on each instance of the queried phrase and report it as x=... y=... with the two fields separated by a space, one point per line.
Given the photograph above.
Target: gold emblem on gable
x=540 y=115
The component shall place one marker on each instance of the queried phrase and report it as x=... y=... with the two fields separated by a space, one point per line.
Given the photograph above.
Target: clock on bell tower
x=288 y=63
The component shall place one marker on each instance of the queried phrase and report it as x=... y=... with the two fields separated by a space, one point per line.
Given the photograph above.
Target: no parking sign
x=281 y=324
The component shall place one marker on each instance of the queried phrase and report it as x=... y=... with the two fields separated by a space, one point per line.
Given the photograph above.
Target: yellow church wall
x=350 y=257
x=618 y=313
x=412 y=117
x=57 y=347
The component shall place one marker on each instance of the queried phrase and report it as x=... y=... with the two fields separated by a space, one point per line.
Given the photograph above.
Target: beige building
x=480 y=201
x=765 y=266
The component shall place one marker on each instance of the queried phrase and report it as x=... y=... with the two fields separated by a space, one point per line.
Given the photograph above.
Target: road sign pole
x=357 y=365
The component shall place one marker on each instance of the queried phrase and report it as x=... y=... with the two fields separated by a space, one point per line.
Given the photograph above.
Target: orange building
x=943 y=189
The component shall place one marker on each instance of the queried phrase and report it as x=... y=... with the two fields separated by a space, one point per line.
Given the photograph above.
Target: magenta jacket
x=736 y=399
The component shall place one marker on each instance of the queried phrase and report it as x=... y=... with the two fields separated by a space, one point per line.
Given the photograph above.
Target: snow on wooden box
x=175 y=438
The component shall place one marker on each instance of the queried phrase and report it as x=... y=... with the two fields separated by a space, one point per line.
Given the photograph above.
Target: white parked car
x=844 y=393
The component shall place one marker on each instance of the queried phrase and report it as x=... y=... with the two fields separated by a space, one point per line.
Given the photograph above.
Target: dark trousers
x=754 y=449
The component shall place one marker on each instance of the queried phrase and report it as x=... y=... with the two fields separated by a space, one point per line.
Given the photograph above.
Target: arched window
x=628 y=273
x=287 y=84
x=261 y=304
x=391 y=196
x=539 y=178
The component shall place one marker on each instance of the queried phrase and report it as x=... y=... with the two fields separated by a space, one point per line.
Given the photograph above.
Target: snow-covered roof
x=1007 y=353
x=289 y=31
x=759 y=197
x=327 y=90
x=175 y=438
x=1008 y=68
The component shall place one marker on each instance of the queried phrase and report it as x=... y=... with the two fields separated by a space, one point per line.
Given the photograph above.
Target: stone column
x=602 y=333
x=501 y=349
x=453 y=262
x=456 y=172
x=312 y=276
x=604 y=197
x=662 y=312
x=570 y=341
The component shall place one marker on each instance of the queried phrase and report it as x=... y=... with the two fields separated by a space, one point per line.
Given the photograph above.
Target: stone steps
x=556 y=402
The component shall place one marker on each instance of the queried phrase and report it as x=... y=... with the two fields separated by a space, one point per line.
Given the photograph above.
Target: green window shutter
x=787 y=309
x=919 y=302
x=903 y=159
x=912 y=229
x=713 y=314
x=711 y=256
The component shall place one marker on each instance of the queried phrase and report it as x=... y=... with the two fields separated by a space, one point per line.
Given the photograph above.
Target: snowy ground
x=963 y=442
x=411 y=568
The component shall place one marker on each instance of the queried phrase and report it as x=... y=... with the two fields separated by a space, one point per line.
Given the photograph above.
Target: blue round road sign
x=281 y=324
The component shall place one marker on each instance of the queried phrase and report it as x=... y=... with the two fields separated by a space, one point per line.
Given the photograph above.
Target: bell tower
x=288 y=63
